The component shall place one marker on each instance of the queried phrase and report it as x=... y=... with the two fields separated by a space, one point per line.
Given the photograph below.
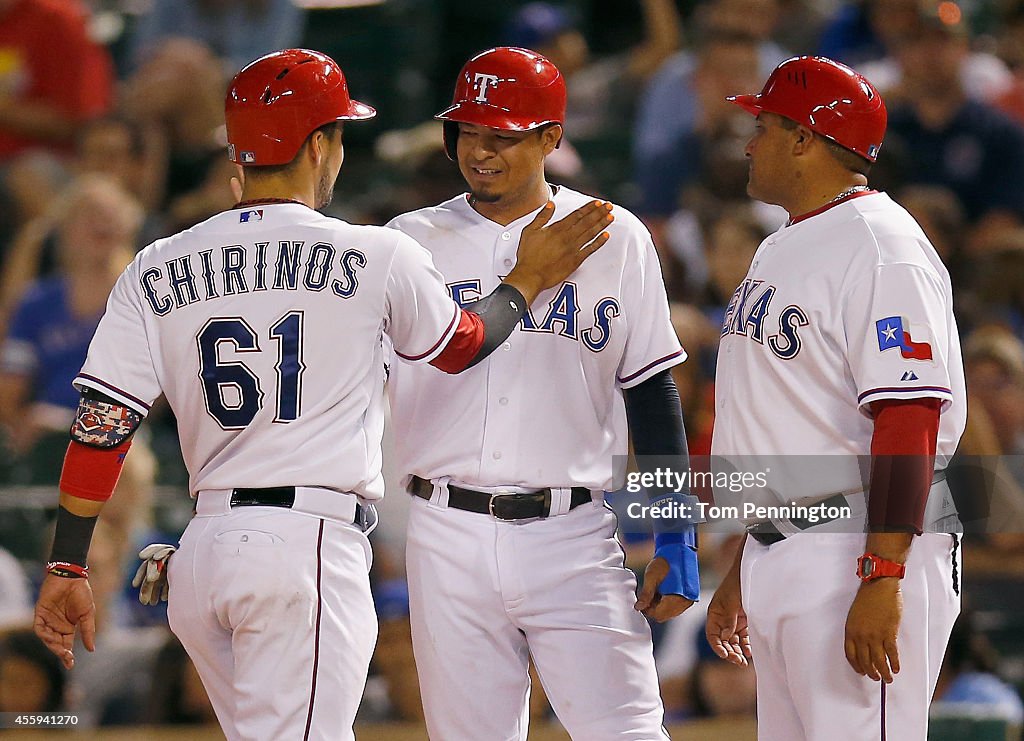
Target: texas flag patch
x=249 y=216
x=891 y=333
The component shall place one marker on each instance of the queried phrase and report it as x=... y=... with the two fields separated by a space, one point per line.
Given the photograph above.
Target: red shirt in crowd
x=47 y=57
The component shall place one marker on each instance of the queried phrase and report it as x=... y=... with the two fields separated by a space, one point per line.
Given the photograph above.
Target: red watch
x=871 y=567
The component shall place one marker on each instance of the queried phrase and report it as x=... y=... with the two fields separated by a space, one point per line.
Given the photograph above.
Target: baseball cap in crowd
x=538 y=24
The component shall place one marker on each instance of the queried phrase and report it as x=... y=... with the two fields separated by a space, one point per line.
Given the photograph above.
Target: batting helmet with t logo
x=505 y=88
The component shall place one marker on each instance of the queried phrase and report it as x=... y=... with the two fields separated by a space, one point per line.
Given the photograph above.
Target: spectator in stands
x=176 y=694
x=720 y=689
x=392 y=659
x=53 y=323
x=941 y=216
x=1011 y=51
x=32 y=679
x=998 y=283
x=937 y=136
x=672 y=105
x=699 y=142
x=52 y=76
x=177 y=96
x=969 y=678
x=49 y=335
x=994 y=365
x=866 y=30
x=601 y=92
x=122 y=149
x=238 y=31
x=15 y=592
x=983 y=75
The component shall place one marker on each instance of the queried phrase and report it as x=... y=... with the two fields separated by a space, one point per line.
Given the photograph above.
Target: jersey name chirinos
x=235 y=269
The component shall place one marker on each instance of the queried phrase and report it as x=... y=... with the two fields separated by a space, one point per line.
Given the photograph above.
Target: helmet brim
x=358 y=112
x=491 y=116
x=750 y=103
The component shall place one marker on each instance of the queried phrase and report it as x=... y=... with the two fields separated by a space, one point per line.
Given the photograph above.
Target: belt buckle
x=490 y=505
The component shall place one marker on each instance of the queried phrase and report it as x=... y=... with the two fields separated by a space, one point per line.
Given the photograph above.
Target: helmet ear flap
x=450 y=136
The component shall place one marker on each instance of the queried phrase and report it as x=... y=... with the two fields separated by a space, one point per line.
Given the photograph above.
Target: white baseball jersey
x=263 y=327
x=838 y=310
x=546 y=408
x=844 y=307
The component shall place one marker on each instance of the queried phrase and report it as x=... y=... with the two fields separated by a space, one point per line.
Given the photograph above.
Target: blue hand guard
x=680 y=551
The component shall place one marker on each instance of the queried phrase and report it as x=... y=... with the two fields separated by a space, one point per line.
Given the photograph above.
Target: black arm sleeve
x=655 y=417
x=500 y=312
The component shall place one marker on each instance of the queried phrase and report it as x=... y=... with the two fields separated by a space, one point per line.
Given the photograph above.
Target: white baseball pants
x=485 y=594
x=274 y=608
x=797 y=594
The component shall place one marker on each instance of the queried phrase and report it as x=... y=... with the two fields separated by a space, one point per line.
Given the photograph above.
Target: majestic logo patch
x=891 y=333
x=249 y=216
x=909 y=376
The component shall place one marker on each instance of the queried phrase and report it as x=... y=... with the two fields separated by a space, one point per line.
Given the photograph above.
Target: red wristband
x=67 y=570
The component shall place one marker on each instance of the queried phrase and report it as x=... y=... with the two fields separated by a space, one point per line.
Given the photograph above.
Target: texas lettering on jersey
x=237 y=269
x=746 y=314
x=561 y=317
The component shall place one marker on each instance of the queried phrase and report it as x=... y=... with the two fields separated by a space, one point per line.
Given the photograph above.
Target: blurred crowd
x=111 y=135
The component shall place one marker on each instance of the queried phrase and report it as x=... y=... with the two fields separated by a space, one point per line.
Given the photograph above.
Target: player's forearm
x=36 y=120
x=890 y=546
x=483 y=326
x=662 y=31
x=76 y=520
x=902 y=463
x=100 y=439
x=654 y=415
x=79 y=506
x=528 y=284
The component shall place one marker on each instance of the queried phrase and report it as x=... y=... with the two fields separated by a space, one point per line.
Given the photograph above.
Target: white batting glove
x=151 y=577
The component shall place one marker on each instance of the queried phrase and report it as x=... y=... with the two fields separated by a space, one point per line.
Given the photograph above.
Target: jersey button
x=508 y=263
x=496 y=455
x=507 y=346
x=503 y=401
x=505 y=236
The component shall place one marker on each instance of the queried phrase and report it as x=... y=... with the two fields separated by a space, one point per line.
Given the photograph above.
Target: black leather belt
x=766 y=533
x=766 y=536
x=284 y=496
x=500 y=506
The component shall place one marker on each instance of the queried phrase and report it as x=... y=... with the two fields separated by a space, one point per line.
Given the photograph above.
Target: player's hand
x=871 y=629
x=726 y=629
x=651 y=603
x=63 y=606
x=151 y=577
x=548 y=255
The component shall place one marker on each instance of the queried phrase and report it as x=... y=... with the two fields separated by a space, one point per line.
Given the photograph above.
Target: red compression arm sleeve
x=92 y=473
x=463 y=346
x=902 y=463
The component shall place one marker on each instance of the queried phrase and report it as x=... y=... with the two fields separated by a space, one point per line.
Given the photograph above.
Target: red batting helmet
x=274 y=103
x=827 y=97
x=505 y=88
